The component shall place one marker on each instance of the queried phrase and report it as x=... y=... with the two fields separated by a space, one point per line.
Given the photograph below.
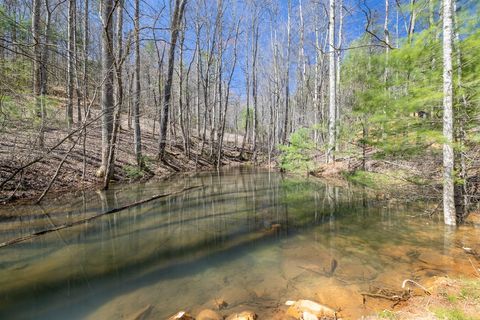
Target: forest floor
x=19 y=147
x=449 y=299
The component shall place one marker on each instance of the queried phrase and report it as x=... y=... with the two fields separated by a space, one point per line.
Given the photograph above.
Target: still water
x=251 y=238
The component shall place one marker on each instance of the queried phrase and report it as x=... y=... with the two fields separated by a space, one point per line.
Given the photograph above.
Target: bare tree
x=332 y=121
x=136 y=105
x=107 y=103
x=174 y=29
x=37 y=67
x=287 y=72
x=71 y=62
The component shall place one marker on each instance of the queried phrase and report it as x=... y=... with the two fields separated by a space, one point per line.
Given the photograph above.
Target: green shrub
x=297 y=155
x=133 y=172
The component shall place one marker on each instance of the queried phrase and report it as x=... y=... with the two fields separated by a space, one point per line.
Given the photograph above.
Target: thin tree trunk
x=37 y=67
x=136 y=104
x=70 y=64
x=222 y=129
x=85 y=57
x=287 y=74
x=197 y=98
x=338 y=67
x=331 y=89
x=255 y=32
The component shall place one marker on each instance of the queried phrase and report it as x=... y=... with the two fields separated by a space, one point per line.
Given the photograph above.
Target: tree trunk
x=331 y=88
x=255 y=31
x=107 y=86
x=136 y=104
x=338 y=67
x=118 y=62
x=174 y=29
x=448 y=155
x=37 y=67
x=70 y=64
x=287 y=74
x=85 y=58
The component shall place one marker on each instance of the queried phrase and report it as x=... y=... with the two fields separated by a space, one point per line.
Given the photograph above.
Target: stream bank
x=30 y=182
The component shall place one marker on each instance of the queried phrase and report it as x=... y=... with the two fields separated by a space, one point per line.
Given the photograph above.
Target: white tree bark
x=70 y=65
x=136 y=105
x=448 y=156
x=338 y=57
x=332 y=85
x=287 y=74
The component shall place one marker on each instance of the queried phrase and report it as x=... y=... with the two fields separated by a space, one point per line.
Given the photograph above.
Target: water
x=252 y=238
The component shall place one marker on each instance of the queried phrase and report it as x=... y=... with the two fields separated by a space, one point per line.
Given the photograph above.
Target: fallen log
x=78 y=222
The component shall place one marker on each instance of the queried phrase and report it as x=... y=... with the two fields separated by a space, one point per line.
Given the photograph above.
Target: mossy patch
x=452 y=314
x=373 y=180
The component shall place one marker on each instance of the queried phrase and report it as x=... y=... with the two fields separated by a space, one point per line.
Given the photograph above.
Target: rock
x=308 y=316
x=298 y=308
x=181 y=315
x=208 y=314
x=100 y=173
x=244 y=315
x=220 y=304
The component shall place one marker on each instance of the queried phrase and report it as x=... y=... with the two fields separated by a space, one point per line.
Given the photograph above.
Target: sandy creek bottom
x=251 y=238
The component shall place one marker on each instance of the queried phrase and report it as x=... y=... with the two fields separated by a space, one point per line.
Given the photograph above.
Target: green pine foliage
x=398 y=99
x=297 y=156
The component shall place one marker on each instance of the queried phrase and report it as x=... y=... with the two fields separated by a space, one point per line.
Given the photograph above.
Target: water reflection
x=253 y=238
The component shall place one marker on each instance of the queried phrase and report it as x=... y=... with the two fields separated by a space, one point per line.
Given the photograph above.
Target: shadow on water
x=260 y=234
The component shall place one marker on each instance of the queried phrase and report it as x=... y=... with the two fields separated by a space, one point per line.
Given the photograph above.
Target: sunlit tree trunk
x=448 y=155
x=86 y=113
x=85 y=56
x=287 y=73
x=70 y=63
x=255 y=35
x=338 y=67
x=331 y=89
x=412 y=21
x=136 y=105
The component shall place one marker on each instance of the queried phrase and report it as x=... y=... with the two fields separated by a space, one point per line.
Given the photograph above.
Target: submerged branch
x=78 y=222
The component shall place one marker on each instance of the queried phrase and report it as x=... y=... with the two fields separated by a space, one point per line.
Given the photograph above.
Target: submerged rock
x=208 y=314
x=181 y=315
x=220 y=304
x=306 y=309
x=141 y=314
x=308 y=316
x=244 y=315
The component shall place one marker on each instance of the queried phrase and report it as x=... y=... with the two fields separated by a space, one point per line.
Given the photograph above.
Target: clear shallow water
x=327 y=244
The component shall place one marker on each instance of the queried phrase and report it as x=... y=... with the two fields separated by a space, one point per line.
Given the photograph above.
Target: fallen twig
x=383 y=296
x=477 y=270
x=415 y=283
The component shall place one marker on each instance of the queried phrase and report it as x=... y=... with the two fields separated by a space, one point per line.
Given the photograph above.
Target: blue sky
x=354 y=27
